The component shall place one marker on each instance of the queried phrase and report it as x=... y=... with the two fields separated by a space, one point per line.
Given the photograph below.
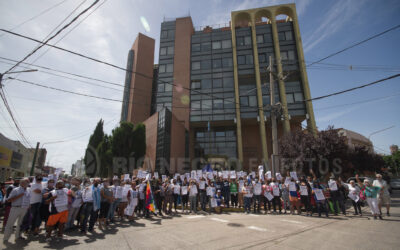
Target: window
x=249 y=59
x=163 y=51
x=206 y=84
x=206 y=104
x=226 y=44
x=196 y=47
x=298 y=97
x=284 y=55
x=206 y=46
x=196 y=85
x=291 y=55
x=205 y=64
x=200 y=134
x=168 y=87
x=241 y=60
x=164 y=34
x=266 y=100
x=226 y=62
x=247 y=40
x=195 y=65
x=228 y=82
x=288 y=35
x=160 y=88
x=220 y=133
x=260 y=39
x=217 y=64
x=196 y=105
x=216 y=45
x=218 y=104
x=170 y=50
x=229 y=103
x=244 y=101
x=252 y=101
x=289 y=98
x=161 y=68
x=217 y=83
x=261 y=58
x=170 y=68
x=281 y=36
x=240 y=41
x=267 y=38
x=171 y=34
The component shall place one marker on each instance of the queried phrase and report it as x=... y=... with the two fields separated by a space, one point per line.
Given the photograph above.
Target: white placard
x=354 y=197
x=199 y=173
x=177 y=189
x=319 y=195
x=294 y=175
x=214 y=202
x=140 y=174
x=205 y=175
x=241 y=185
x=225 y=175
x=164 y=177
x=210 y=175
x=253 y=174
x=287 y=181
x=156 y=175
x=210 y=191
x=184 y=190
x=269 y=196
x=126 y=177
x=292 y=186
x=187 y=175
x=332 y=185
x=303 y=190
x=275 y=190
x=141 y=187
x=202 y=185
x=62 y=197
x=269 y=175
x=125 y=191
x=219 y=174
x=193 y=174
x=278 y=176
x=257 y=189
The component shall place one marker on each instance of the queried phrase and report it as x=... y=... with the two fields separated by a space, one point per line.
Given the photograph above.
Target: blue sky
x=108 y=34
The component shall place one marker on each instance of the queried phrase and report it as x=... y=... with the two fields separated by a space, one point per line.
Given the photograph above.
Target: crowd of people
x=78 y=204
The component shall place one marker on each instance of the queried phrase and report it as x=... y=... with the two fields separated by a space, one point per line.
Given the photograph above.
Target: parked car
x=395 y=183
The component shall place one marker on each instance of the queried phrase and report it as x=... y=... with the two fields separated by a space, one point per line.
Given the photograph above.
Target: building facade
x=211 y=86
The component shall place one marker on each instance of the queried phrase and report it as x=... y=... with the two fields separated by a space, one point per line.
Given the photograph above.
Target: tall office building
x=210 y=90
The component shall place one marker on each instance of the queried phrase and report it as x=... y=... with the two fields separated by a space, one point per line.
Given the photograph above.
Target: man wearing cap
x=20 y=201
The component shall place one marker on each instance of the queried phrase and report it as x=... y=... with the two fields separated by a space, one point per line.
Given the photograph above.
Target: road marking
x=293 y=221
x=195 y=216
x=256 y=215
x=257 y=228
x=220 y=220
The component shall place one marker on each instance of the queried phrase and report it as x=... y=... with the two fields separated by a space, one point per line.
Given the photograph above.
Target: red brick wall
x=151 y=141
x=177 y=145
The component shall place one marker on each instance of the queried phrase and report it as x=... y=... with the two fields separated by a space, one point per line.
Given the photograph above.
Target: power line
x=53 y=36
x=355 y=88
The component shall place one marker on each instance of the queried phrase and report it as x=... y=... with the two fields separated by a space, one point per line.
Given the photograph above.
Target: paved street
x=237 y=231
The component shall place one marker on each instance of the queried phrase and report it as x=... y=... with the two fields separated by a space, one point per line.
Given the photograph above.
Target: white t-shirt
x=193 y=190
x=383 y=185
x=61 y=202
x=36 y=197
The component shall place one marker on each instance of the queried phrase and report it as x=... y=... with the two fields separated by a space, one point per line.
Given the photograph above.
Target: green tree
x=105 y=157
x=393 y=162
x=95 y=139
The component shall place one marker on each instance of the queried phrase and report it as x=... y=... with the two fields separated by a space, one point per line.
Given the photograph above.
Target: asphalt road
x=236 y=231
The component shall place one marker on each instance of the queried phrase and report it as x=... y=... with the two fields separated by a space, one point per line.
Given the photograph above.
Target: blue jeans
x=112 y=209
x=35 y=211
x=247 y=204
x=87 y=210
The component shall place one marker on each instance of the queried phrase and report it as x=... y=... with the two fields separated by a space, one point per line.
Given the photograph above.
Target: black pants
x=322 y=205
x=277 y=201
x=175 y=200
x=357 y=207
x=159 y=200
x=203 y=199
x=266 y=202
x=234 y=199
x=104 y=206
x=257 y=203
x=87 y=211
x=227 y=197
x=305 y=199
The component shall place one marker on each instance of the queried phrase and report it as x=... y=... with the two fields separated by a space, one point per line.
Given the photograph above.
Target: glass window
x=195 y=65
x=249 y=59
x=281 y=36
x=160 y=88
x=244 y=101
x=288 y=35
x=168 y=87
x=260 y=39
x=200 y=134
x=266 y=100
x=226 y=62
x=206 y=84
x=298 y=97
x=196 y=47
x=220 y=133
x=289 y=98
x=161 y=68
x=228 y=82
x=206 y=46
x=217 y=63
x=241 y=60
x=170 y=68
x=261 y=58
x=218 y=104
x=170 y=50
x=291 y=55
x=163 y=51
x=267 y=38
x=216 y=45
x=226 y=44
x=206 y=104
x=252 y=101
x=196 y=85
x=196 y=105
x=240 y=40
x=247 y=40
x=171 y=34
x=205 y=64
x=164 y=34
x=217 y=83
x=229 y=103
x=284 y=55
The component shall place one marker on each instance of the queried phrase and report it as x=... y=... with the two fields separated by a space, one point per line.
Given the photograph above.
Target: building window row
x=217 y=104
x=166 y=50
x=166 y=68
x=264 y=38
x=248 y=101
x=294 y=97
x=214 y=83
x=245 y=60
x=164 y=87
x=243 y=40
x=216 y=64
x=288 y=55
x=285 y=36
x=167 y=34
x=207 y=46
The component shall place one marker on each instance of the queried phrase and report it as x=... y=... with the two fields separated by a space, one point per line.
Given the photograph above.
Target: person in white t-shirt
x=58 y=200
x=384 y=195
x=36 y=201
x=193 y=190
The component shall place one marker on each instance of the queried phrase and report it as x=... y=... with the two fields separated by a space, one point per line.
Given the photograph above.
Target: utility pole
x=274 y=157
x=34 y=159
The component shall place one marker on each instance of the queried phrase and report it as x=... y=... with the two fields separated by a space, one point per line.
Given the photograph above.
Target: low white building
x=78 y=168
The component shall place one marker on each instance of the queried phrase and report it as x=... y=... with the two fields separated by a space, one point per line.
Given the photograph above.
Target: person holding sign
x=320 y=200
x=218 y=200
x=184 y=195
x=193 y=196
x=132 y=201
x=354 y=195
x=226 y=192
x=371 y=192
x=177 y=193
x=305 y=191
x=58 y=200
x=334 y=193
x=277 y=195
x=169 y=196
x=106 y=199
x=257 y=195
x=247 y=191
x=203 y=193
x=234 y=192
x=293 y=196
x=267 y=193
